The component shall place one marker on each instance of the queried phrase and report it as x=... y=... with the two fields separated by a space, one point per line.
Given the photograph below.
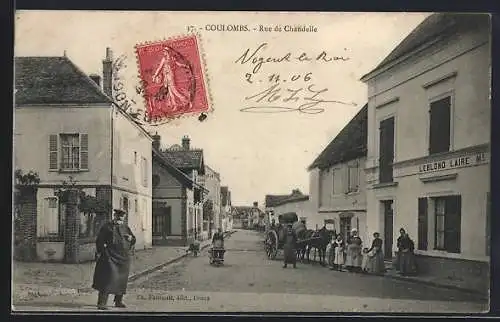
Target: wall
x=334 y=200
x=211 y=181
x=459 y=66
x=31 y=139
x=169 y=190
x=130 y=146
x=302 y=208
x=471 y=125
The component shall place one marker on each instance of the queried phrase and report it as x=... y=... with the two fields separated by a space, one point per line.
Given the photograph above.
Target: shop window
x=440 y=125
x=447 y=223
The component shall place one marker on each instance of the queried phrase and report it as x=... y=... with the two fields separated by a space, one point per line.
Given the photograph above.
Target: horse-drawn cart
x=275 y=236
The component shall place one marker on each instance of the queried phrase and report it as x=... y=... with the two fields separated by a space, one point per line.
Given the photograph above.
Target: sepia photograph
x=244 y=162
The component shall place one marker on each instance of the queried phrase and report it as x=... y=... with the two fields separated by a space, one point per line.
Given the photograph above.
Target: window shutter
x=53 y=155
x=422 y=223
x=84 y=151
x=440 y=126
x=452 y=224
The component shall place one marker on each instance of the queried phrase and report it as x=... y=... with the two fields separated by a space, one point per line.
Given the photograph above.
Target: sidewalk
x=474 y=286
x=32 y=280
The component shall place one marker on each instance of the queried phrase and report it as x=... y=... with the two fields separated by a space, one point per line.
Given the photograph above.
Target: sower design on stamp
x=172 y=78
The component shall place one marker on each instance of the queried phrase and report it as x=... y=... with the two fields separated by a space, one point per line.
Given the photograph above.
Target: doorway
x=388 y=228
x=162 y=223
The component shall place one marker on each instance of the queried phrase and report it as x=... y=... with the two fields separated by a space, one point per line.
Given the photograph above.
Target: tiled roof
x=276 y=200
x=349 y=144
x=176 y=173
x=273 y=200
x=186 y=159
x=438 y=24
x=54 y=80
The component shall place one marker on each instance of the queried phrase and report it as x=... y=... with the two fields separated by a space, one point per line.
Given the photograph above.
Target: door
x=345 y=227
x=162 y=223
x=388 y=228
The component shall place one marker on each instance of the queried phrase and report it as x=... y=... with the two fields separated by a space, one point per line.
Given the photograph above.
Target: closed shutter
x=440 y=125
x=422 y=223
x=84 y=152
x=53 y=155
x=386 y=150
x=452 y=223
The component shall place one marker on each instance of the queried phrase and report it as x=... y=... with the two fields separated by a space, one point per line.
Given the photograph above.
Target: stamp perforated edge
x=205 y=76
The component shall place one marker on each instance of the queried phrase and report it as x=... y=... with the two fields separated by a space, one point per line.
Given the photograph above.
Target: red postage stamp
x=172 y=78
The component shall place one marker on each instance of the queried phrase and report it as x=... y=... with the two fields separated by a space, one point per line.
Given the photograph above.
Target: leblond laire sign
x=457 y=162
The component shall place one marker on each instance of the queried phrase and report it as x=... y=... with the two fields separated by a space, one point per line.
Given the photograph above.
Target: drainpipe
x=112 y=150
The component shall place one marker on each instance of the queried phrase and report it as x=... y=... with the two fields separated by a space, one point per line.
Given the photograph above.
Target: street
x=250 y=282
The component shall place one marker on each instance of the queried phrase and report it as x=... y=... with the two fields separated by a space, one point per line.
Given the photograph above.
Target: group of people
x=354 y=258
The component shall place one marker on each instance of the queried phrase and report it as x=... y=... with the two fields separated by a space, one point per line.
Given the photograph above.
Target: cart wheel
x=272 y=245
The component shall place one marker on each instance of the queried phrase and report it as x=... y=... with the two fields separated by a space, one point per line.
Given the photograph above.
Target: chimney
x=185 y=142
x=156 y=141
x=107 y=73
x=96 y=78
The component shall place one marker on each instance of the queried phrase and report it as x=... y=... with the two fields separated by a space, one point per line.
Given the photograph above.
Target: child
x=366 y=260
x=338 y=258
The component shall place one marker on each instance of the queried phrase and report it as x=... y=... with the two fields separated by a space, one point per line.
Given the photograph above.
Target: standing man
x=113 y=245
x=290 y=246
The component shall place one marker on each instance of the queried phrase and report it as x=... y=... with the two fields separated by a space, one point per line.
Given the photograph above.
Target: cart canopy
x=288 y=218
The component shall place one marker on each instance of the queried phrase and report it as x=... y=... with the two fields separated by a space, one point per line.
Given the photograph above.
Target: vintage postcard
x=251 y=162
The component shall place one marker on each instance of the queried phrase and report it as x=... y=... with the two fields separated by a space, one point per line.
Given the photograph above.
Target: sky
x=255 y=153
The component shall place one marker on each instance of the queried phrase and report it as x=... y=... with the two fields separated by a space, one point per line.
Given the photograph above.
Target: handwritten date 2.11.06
x=306 y=100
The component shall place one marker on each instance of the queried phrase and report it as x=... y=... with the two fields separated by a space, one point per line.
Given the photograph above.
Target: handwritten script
x=286 y=93
x=306 y=100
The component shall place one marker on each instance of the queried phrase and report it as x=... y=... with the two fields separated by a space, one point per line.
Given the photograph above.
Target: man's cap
x=119 y=212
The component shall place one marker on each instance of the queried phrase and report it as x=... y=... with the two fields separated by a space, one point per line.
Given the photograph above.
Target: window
x=353 y=178
x=440 y=125
x=50 y=218
x=386 y=150
x=135 y=157
x=144 y=171
x=136 y=206
x=70 y=153
x=447 y=223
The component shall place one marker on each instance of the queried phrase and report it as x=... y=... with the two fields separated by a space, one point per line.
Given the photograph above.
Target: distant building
x=299 y=203
x=173 y=190
x=337 y=180
x=226 y=220
x=66 y=125
x=190 y=162
x=211 y=182
x=428 y=162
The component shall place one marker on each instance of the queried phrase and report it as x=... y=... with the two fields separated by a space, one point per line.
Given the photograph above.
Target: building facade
x=85 y=140
x=337 y=181
x=428 y=156
x=226 y=209
x=298 y=203
x=190 y=161
x=211 y=182
x=173 y=190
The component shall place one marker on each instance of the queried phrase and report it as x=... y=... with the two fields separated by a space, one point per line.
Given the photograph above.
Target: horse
x=319 y=241
x=302 y=246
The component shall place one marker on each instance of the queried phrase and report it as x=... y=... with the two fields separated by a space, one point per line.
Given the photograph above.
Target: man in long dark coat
x=113 y=245
x=290 y=247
